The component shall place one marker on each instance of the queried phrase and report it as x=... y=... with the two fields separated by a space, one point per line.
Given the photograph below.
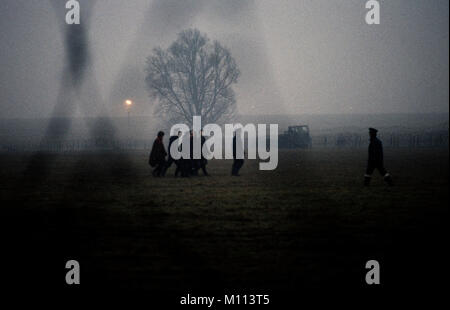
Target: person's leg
x=159 y=170
x=177 y=170
x=203 y=163
x=181 y=167
x=195 y=167
x=237 y=165
x=167 y=165
x=185 y=168
x=241 y=163
x=386 y=176
x=368 y=176
x=189 y=167
x=169 y=162
x=233 y=167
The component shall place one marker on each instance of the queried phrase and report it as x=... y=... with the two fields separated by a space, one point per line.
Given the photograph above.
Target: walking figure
x=157 y=157
x=202 y=162
x=184 y=164
x=376 y=159
x=237 y=162
x=192 y=163
x=170 y=159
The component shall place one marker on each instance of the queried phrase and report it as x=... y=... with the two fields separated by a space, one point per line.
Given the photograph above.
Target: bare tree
x=193 y=77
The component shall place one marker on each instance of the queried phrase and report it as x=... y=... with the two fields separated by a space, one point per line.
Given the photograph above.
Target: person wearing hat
x=157 y=158
x=376 y=159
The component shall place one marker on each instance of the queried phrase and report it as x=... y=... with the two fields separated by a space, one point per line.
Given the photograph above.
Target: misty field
x=309 y=223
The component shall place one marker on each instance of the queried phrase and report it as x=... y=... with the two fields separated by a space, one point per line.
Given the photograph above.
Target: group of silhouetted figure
x=184 y=167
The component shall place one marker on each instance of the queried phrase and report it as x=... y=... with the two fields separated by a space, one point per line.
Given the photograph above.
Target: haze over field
x=89 y=179
x=296 y=57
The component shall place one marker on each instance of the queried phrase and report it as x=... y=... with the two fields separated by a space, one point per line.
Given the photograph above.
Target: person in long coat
x=237 y=162
x=202 y=162
x=170 y=159
x=376 y=160
x=158 y=155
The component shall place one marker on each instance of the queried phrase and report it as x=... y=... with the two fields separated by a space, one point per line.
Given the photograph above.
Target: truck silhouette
x=295 y=137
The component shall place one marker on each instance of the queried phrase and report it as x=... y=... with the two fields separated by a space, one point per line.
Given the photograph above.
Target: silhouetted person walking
x=202 y=162
x=184 y=164
x=158 y=156
x=192 y=166
x=170 y=159
x=376 y=159
x=237 y=162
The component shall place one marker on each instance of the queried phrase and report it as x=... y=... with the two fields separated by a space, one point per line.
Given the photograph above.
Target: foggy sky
x=297 y=57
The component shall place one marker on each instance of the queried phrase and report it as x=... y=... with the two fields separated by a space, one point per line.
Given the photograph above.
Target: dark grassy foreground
x=308 y=224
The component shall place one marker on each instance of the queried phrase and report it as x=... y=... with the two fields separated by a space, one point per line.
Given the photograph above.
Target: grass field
x=309 y=223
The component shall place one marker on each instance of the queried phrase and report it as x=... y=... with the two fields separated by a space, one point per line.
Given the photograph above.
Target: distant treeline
x=433 y=139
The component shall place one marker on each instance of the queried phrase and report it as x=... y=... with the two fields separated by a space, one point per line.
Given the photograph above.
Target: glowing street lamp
x=128 y=104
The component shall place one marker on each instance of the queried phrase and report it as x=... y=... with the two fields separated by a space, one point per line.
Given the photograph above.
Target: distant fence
x=436 y=139
x=76 y=145
x=394 y=140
